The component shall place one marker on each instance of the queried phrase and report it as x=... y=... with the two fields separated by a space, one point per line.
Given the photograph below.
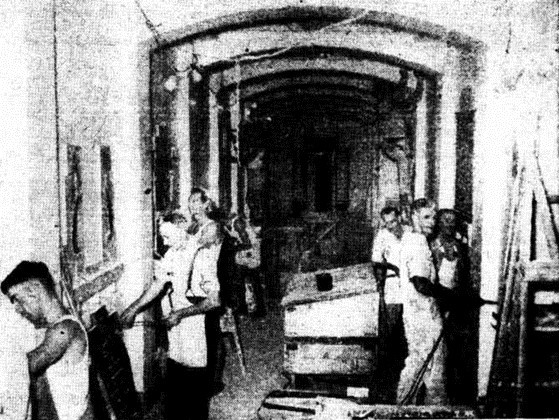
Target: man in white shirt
x=386 y=260
x=386 y=254
x=423 y=322
x=190 y=268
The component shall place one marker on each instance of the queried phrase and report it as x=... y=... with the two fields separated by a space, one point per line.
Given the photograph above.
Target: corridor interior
x=306 y=117
x=309 y=144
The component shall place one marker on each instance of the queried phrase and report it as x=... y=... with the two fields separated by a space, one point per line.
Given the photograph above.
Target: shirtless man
x=61 y=361
x=452 y=263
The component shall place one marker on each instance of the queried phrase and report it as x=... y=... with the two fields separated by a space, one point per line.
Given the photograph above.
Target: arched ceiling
x=301 y=68
x=252 y=89
x=316 y=86
x=339 y=61
x=313 y=18
x=340 y=83
x=307 y=104
x=318 y=59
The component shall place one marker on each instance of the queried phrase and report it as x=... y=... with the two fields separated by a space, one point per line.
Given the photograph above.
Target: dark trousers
x=393 y=350
x=460 y=336
x=187 y=392
x=398 y=346
x=216 y=351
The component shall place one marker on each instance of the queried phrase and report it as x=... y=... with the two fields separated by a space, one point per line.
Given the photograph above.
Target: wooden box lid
x=346 y=282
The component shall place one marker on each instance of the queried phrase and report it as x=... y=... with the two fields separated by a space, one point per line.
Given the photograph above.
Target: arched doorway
x=322 y=110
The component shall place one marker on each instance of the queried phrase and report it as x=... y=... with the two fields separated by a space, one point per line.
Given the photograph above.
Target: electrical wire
x=150 y=25
x=247 y=58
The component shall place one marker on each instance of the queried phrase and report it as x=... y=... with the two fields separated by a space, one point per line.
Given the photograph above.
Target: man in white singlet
x=59 y=366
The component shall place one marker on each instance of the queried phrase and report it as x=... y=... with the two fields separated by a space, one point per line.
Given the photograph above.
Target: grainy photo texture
x=287 y=209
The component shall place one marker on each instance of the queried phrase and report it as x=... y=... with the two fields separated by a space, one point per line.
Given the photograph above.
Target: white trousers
x=422 y=331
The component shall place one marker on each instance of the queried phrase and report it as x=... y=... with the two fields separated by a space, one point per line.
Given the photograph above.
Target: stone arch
x=246 y=48
x=258 y=40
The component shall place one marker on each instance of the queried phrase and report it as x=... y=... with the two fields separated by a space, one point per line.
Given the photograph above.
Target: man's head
x=446 y=222
x=30 y=287
x=200 y=204
x=423 y=213
x=392 y=219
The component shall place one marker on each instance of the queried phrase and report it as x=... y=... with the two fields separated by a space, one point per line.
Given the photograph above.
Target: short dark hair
x=203 y=193
x=421 y=203
x=389 y=210
x=174 y=217
x=25 y=271
x=442 y=212
x=212 y=210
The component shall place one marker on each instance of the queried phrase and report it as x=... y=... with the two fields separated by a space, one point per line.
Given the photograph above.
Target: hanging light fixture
x=193 y=71
x=171 y=83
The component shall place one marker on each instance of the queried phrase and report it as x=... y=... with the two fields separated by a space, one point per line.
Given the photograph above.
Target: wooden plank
x=542 y=273
x=98 y=282
x=503 y=375
x=545 y=220
x=300 y=408
x=111 y=362
x=355 y=316
x=342 y=359
x=346 y=281
x=522 y=344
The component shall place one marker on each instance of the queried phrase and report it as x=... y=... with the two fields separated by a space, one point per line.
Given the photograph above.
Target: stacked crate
x=331 y=332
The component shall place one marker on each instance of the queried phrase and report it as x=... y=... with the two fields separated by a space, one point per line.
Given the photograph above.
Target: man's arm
x=210 y=303
x=424 y=286
x=454 y=300
x=210 y=287
x=420 y=266
x=155 y=288
x=57 y=341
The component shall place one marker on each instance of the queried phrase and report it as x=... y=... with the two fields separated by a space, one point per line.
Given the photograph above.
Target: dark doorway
x=322 y=162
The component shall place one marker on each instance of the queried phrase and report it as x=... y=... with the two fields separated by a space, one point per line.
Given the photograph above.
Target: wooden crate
x=351 y=316
x=332 y=332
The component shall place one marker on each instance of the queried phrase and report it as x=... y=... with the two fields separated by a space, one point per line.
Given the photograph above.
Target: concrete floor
x=262 y=340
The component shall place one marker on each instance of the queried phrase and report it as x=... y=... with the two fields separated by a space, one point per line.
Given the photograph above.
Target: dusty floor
x=262 y=343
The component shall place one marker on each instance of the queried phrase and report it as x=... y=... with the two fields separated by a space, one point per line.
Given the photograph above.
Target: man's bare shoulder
x=67 y=330
x=65 y=338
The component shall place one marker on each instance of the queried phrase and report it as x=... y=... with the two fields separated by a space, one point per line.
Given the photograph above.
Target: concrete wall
x=97 y=73
x=28 y=172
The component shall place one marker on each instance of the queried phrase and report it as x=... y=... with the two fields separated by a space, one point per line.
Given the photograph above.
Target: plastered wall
x=102 y=72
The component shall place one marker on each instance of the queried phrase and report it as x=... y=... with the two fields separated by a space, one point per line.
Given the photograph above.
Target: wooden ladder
x=529 y=210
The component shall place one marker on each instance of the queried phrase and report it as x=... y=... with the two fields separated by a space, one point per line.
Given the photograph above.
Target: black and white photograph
x=279 y=209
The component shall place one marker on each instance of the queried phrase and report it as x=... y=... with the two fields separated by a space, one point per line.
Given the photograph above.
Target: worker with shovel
x=423 y=321
x=423 y=379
